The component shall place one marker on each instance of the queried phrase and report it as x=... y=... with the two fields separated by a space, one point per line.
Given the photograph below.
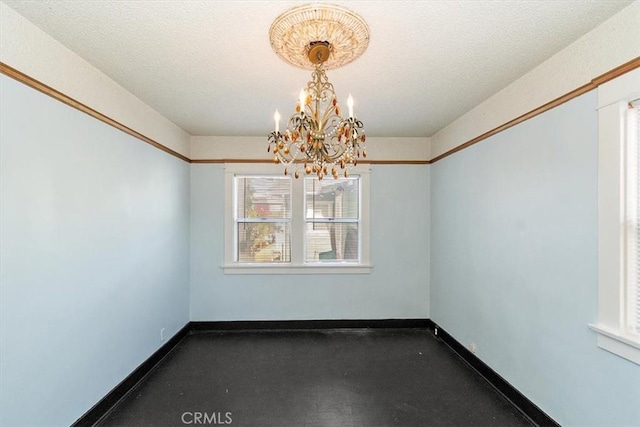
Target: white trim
x=314 y=268
x=613 y=97
x=623 y=88
x=611 y=340
x=610 y=216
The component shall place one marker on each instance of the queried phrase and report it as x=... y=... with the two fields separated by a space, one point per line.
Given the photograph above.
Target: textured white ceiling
x=208 y=65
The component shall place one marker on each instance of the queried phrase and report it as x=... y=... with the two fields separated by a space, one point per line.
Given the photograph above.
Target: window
x=618 y=324
x=275 y=224
x=632 y=190
x=332 y=219
x=262 y=222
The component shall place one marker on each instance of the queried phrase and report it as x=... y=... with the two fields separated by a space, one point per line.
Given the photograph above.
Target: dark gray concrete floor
x=367 y=378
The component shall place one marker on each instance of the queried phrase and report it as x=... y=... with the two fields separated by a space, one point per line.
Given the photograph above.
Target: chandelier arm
x=332 y=159
x=328 y=113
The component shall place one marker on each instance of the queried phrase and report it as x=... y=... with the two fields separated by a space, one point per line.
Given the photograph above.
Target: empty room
x=352 y=213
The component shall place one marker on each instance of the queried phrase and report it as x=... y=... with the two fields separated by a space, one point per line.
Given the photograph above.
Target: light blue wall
x=396 y=288
x=101 y=236
x=514 y=264
x=94 y=254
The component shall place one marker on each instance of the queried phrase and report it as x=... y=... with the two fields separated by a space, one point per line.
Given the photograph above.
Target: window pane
x=264 y=242
x=263 y=197
x=330 y=242
x=332 y=198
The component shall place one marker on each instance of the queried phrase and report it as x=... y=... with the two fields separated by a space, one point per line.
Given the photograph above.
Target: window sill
x=297 y=269
x=613 y=341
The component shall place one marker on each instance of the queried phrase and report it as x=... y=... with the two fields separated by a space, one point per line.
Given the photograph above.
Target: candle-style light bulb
x=303 y=98
x=276 y=117
x=350 y=104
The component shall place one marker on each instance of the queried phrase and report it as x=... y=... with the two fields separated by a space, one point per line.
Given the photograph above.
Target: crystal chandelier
x=318 y=139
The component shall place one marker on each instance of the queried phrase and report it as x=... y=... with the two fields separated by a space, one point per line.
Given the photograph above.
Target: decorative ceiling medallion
x=293 y=32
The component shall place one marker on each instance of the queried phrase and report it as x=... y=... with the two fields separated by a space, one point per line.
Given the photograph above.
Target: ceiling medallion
x=345 y=31
x=318 y=139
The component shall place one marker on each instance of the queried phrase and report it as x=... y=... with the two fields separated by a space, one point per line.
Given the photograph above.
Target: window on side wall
x=618 y=324
x=275 y=224
x=632 y=190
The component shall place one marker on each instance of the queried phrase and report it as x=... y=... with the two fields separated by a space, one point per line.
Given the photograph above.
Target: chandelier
x=318 y=139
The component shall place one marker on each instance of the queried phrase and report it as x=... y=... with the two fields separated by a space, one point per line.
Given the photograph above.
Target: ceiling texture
x=208 y=66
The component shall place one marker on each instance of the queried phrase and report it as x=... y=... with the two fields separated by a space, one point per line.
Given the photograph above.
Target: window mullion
x=297 y=222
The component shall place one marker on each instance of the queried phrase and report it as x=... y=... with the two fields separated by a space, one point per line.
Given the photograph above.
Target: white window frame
x=298 y=223
x=613 y=98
